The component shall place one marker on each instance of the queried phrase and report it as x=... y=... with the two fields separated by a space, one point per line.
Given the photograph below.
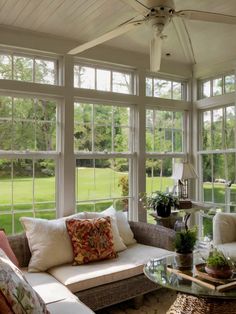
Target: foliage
x=185 y=240
x=124 y=184
x=160 y=198
x=217 y=259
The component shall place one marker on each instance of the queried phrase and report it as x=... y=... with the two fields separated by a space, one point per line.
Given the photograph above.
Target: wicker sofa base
x=102 y=296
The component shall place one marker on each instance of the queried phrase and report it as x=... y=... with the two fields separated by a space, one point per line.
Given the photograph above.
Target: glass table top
x=156 y=271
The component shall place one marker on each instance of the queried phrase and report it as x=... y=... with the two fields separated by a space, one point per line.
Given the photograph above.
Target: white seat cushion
x=69 y=306
x=49 y=289
x=128 y=264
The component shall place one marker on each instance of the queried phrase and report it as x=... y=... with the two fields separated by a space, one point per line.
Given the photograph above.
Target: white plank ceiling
x=83 y=20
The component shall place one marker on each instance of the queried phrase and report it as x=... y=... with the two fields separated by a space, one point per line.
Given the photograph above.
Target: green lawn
x=92 y=184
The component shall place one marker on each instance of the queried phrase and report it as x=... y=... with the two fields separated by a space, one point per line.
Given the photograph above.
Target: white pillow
x=124 y=228
x=49 y=242
x=118 y=242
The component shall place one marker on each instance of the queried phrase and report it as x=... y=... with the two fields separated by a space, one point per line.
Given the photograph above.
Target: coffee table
x=191 y=298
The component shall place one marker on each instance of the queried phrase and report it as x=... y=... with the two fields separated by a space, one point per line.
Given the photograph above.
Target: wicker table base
x=188 y=304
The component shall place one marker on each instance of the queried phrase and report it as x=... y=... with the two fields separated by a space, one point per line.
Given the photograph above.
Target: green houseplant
x=218 y=265
x=161 y=202
x=185 y=241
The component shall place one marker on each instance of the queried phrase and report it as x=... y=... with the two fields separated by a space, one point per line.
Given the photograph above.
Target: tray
x=201 y=273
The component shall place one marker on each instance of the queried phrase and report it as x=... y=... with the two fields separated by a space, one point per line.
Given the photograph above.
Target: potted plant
x=218 y=266
x=185 y=241
x=162 y=202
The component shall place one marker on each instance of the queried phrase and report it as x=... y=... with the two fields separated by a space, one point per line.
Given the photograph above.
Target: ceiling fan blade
x=155 y=53
x=207 y=16
x=139 y=7
x=121 y=29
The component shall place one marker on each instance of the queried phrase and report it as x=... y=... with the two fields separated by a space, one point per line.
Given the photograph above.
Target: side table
x=168 y=222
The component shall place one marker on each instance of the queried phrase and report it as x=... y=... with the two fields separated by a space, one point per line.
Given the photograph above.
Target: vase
x=163 y=210
x=184 y=261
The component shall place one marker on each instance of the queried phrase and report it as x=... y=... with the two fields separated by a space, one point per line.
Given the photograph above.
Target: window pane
x=5 y=186
x=219 y=178
x=217 y=86
x=229 y=83
x=207 y=178
x=159 y=175
x=5 y=134
x=230 y=127
x=149 y=91
x=45 y=71
x=206 y=138
x=23 y=68
x=103 y=138
x=206 y=89
x=23 y=135
x=84 y=77
x=121 y=83
x=23 y=109
x=217 y=128
x=83 y=127
x=177 y=90
x=103 y=80
x=162 y=88
x=5 y=67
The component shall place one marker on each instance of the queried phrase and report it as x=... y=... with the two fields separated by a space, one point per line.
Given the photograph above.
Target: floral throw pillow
x=19 y=295
x=91 y=239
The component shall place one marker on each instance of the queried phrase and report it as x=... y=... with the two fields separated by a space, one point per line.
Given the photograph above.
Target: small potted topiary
x=161 y=202
x=185 y=241
x=218 y=265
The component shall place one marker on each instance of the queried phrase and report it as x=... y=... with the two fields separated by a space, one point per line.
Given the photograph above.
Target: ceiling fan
x=156 y=14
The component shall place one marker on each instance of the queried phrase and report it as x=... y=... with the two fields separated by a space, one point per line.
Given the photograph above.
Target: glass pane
x=207 y=178
x=18 y=228
x=177 y=141
x=23 y=136
x=5 y=67
x=149 y=91
x=5 y=107
x=217 y=86
x=6 y=222
x=101 y=179
x=103 y=138
x=230 y=127
x=23 y=68
x=121 y=116
x=177 y=90
x=44 y=184
x=149 y=131
x=159 y=175
x=206 y=132
x=5 y=134
x=103 y=80
x=82 y=113
x=162 y=88
x=102 y=114
x=178 y=120
x=83 y=137
x=45 y=136
x=229 y=83
x=45 y=110
x=5 y=186
x=217 y=129
x=45 y=71
x=22 y=184
x=219 y=178
x=121 y=139
x=206 y=89
x=121 y=83
x=86 y=77
x=46 y=215
x=23 y=109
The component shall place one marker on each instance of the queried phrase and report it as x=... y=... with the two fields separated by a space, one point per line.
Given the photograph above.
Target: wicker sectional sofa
x=120 y=279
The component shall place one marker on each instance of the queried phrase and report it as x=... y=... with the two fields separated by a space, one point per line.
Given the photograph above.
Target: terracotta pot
x=184 y=261
x=222 y=273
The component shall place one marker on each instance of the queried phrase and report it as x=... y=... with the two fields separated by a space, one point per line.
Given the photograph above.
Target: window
x=156 y=87
x=164 y=148
x=28 y=68
x=100 y=79
x=28 y=158
x=217 y=156
x=103 y=156
x=217 y=86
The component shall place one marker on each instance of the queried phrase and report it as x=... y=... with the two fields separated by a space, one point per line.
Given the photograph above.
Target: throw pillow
x=124 y=228
x=49 y=242
x=118 y=242
x=19 y=295
x=5 y=246
x=91 y=239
